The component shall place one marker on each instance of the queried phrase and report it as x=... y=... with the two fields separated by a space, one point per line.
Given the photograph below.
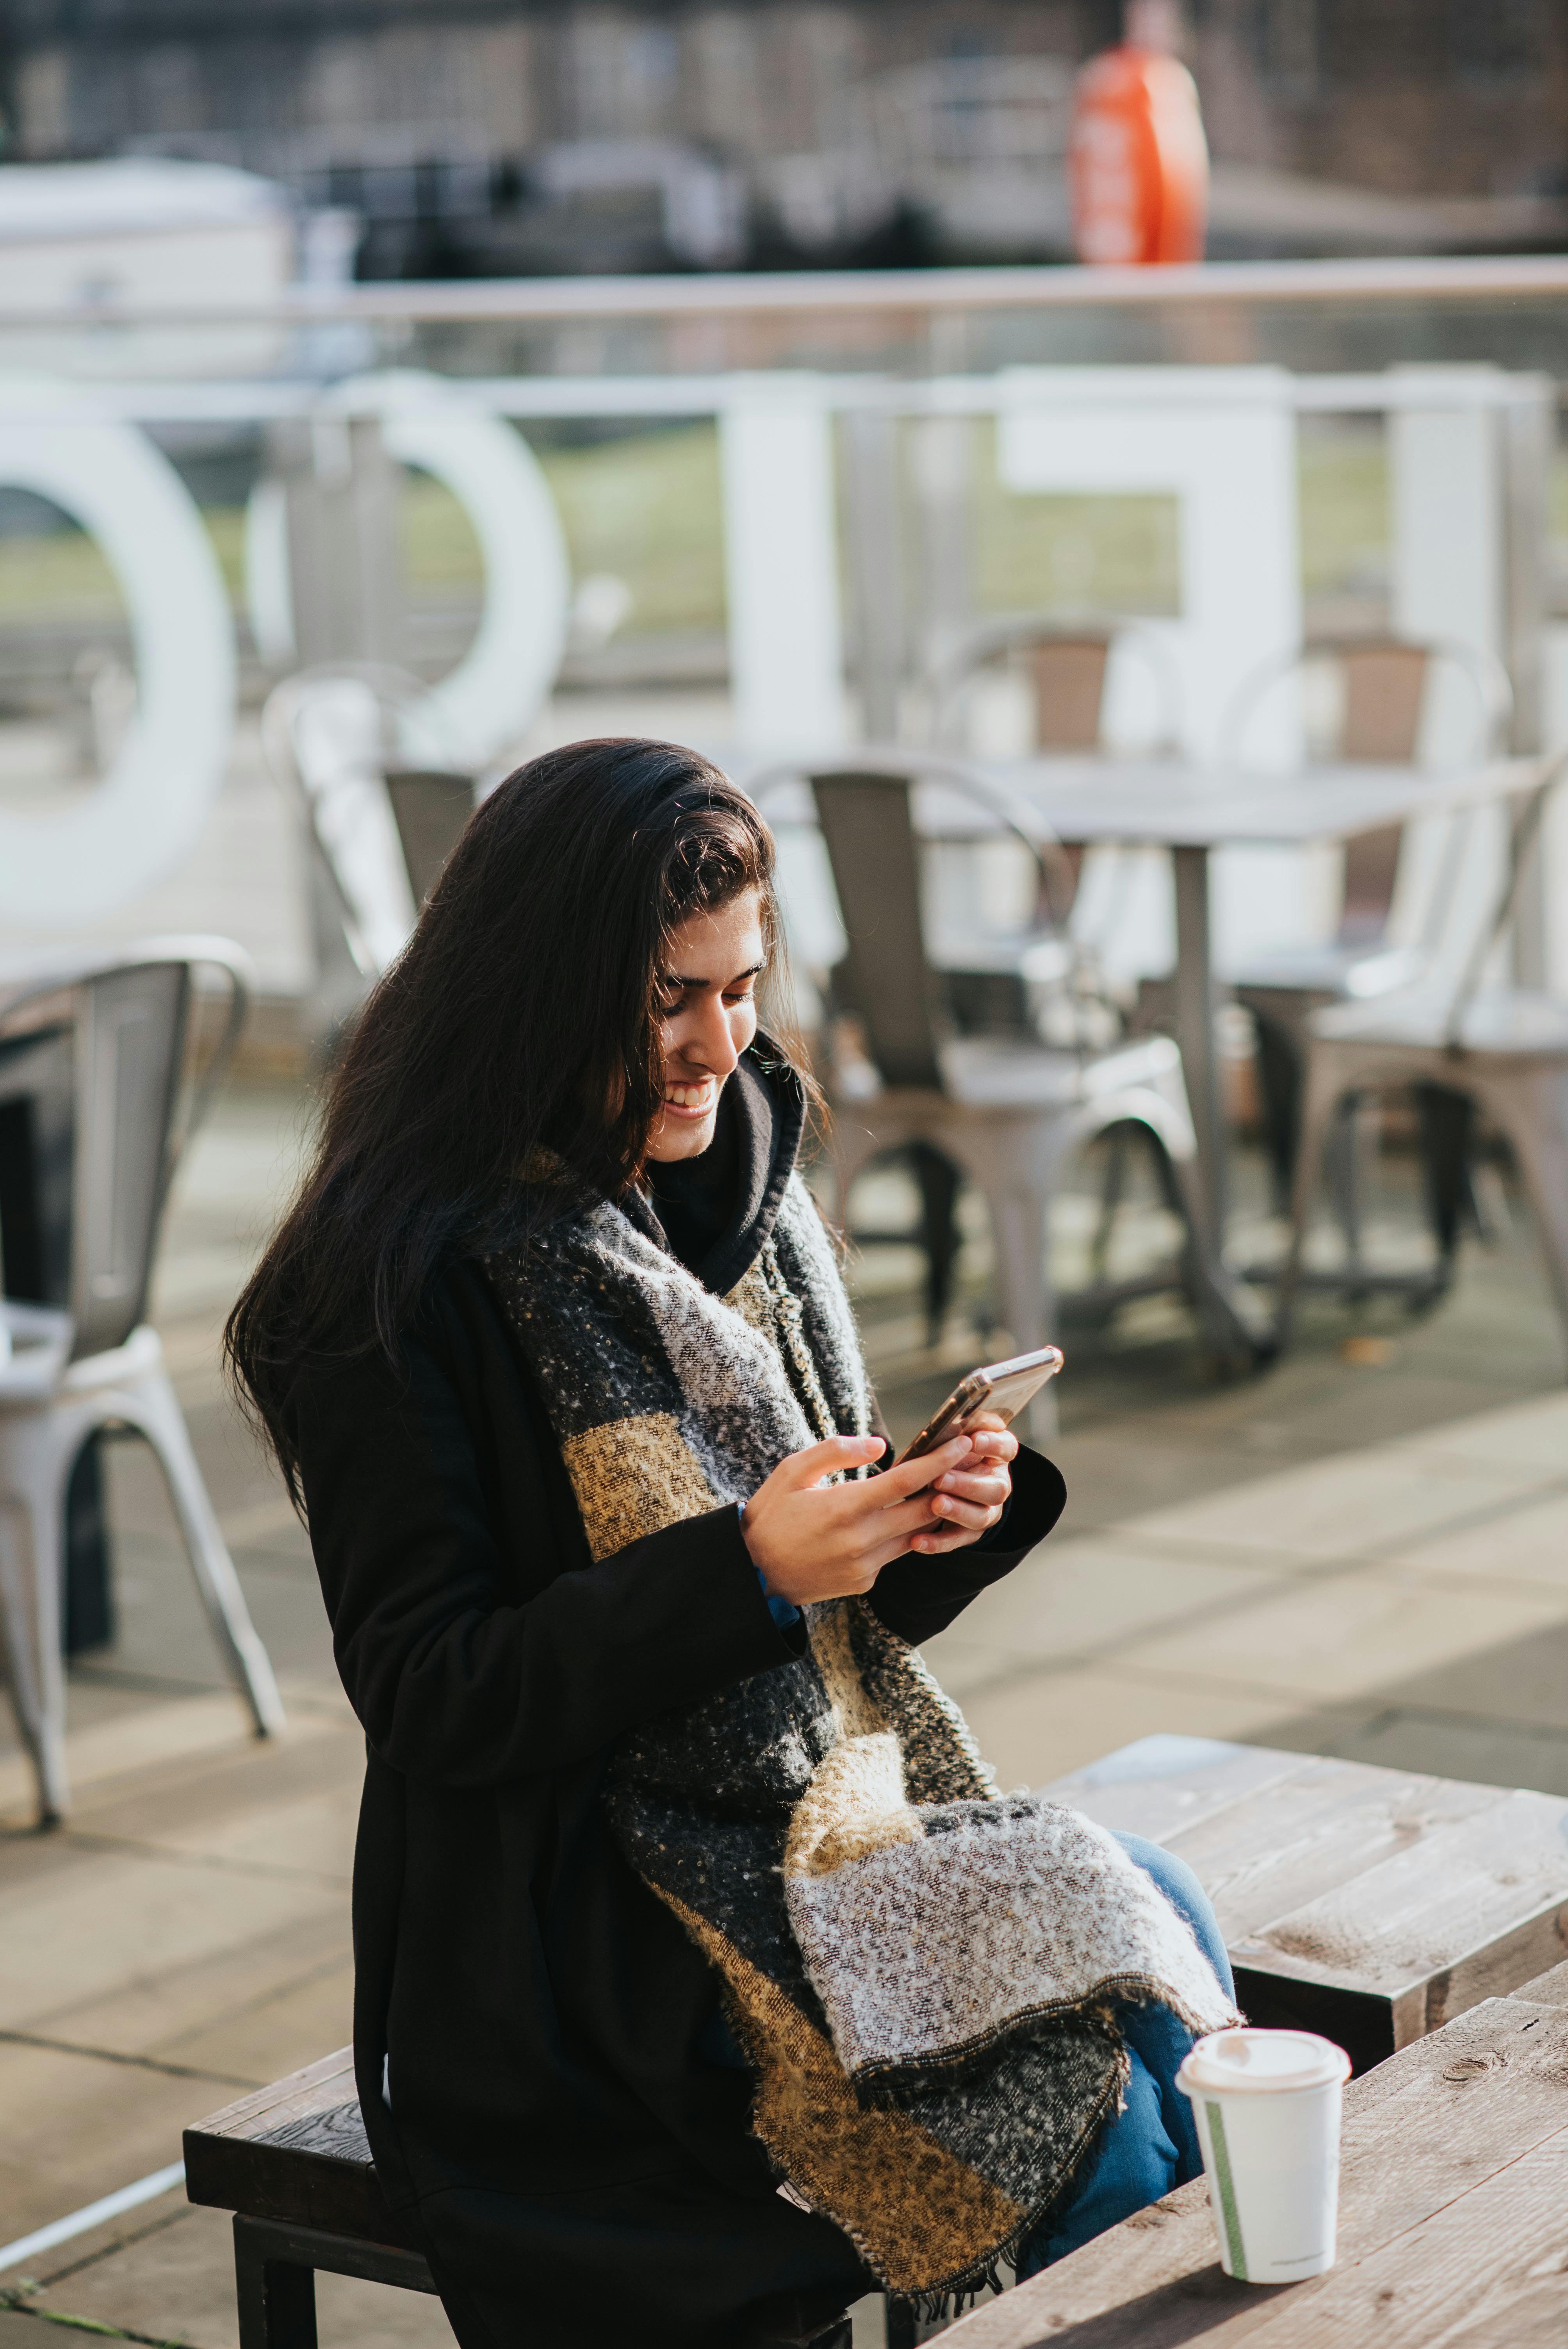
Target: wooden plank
x=1421 y=2132
x=294 y=2151
x=1491 y=2272
x=1467 y=1912
x=319 y=2086
x=1371 y=1905
x=1161 y=1786
x=1548 y=1989
x=1303 y=1836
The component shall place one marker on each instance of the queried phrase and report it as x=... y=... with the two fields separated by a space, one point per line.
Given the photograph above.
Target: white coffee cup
x=1267 y=2106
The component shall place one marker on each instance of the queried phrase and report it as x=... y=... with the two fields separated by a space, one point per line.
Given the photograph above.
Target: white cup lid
x=1262 y=2063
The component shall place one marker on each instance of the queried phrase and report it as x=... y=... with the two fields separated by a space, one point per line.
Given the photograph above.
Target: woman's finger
x=828 y=1458
x=995 y=1442
x=940 y=1540
x=898 y=1523
x=913 y=1475
x=975 y=1484
x=949 y=1509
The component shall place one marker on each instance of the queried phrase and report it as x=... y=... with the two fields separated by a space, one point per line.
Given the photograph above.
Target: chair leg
x=1323 y=1094
x=938 y=1179
x=158 y=1415
x=276 y=2298
x=1344 y=1162
x=1223 y=1326
x=1280 y=1080
x=1537 y=1126
x=1112 y=1191
x=31 y=1601
x=1448 y=1129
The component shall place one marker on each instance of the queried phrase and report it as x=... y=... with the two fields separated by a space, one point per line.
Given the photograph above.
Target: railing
x=762 y=294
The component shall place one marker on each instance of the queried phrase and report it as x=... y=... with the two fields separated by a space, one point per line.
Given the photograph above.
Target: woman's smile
x=692 y=1098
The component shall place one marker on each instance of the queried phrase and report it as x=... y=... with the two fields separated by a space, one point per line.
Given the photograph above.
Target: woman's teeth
x=691 y=1096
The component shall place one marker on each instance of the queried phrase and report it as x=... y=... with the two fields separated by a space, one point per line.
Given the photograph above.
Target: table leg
x=1195 y=1031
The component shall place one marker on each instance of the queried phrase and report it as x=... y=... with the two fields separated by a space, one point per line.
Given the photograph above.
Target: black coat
x=571 y=2157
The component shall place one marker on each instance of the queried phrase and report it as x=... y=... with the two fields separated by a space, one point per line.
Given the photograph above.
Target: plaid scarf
x=922 y=1972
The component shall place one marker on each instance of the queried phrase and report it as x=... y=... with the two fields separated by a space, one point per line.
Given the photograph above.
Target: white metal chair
x=1068 y=664
x=363 y=745
x=1008 y=1112
x=1068 y=667
x=1503 y=1050
x=1375 y=704
x=92 y=1052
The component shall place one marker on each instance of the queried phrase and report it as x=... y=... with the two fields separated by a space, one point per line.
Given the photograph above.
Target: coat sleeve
x=468 y=1667
x=918 y=1596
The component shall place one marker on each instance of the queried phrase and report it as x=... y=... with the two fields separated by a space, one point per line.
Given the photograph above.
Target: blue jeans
x=1151 y=2144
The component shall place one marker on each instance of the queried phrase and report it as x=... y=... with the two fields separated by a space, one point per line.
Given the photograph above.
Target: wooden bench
x=293 y=2164
x=1371 y=1905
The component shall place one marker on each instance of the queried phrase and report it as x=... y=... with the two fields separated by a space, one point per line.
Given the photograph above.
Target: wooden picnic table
x=1371 y=1905
x=1453 y=2221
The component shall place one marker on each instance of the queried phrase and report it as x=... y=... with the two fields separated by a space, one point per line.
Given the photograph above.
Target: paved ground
x=1367 y=1556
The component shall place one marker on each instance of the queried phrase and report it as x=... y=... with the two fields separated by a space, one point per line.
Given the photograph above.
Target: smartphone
x=1002 y=1387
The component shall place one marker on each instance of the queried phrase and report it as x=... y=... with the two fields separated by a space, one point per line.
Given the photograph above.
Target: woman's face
x=708 y=994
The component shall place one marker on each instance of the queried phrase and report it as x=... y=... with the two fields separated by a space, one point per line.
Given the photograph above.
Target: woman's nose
x=712 y=1045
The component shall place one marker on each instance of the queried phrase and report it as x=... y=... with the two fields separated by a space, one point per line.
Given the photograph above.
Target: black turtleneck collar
x=716 y=1212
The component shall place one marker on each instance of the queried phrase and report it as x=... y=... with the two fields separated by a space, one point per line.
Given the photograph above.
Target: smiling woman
x=553 y=1349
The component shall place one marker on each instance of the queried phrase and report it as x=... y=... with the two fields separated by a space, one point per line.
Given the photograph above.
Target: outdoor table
x=1453 y=2221
x=1191 y=811
x=1371 y=1905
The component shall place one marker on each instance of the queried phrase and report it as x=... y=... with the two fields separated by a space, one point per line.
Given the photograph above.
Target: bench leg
x=276 y=2297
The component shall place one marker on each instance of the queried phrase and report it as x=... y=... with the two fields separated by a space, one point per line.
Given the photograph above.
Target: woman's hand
x=812 y=1540
x=968 y=1499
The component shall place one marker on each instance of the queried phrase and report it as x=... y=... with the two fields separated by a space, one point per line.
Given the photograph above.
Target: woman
x=553 y=1354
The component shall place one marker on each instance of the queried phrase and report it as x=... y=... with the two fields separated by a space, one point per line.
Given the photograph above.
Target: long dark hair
x=521 y=1017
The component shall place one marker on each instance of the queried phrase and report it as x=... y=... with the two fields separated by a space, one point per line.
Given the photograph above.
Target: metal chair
x=1375 y=718
x=95 y=1114
x=1500 y=1051
x=1068 y=665
x=362 y=746
x=1006 y=1113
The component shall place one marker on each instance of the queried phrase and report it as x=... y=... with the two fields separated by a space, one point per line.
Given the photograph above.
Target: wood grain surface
x=1453 y=2223
x=295 y=2151
x=1372 y=1905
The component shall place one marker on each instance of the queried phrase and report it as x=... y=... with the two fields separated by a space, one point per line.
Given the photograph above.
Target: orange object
x=1138 y=163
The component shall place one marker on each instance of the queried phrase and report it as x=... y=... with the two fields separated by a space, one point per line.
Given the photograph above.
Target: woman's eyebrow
x=674 y=978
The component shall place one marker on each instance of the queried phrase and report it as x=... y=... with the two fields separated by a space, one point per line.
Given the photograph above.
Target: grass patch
x=648 y=508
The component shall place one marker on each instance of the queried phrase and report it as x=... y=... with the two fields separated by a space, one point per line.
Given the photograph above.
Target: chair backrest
x=431 y=808
x=1069 y=691
x=1068 y=667
x=866 y=823
x=342 y=735
x=91 y=1069
x=1384 y=682
x=130 y=1045
x=1385 y=685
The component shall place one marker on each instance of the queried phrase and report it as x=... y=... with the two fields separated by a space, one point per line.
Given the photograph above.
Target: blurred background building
x=472 y=139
